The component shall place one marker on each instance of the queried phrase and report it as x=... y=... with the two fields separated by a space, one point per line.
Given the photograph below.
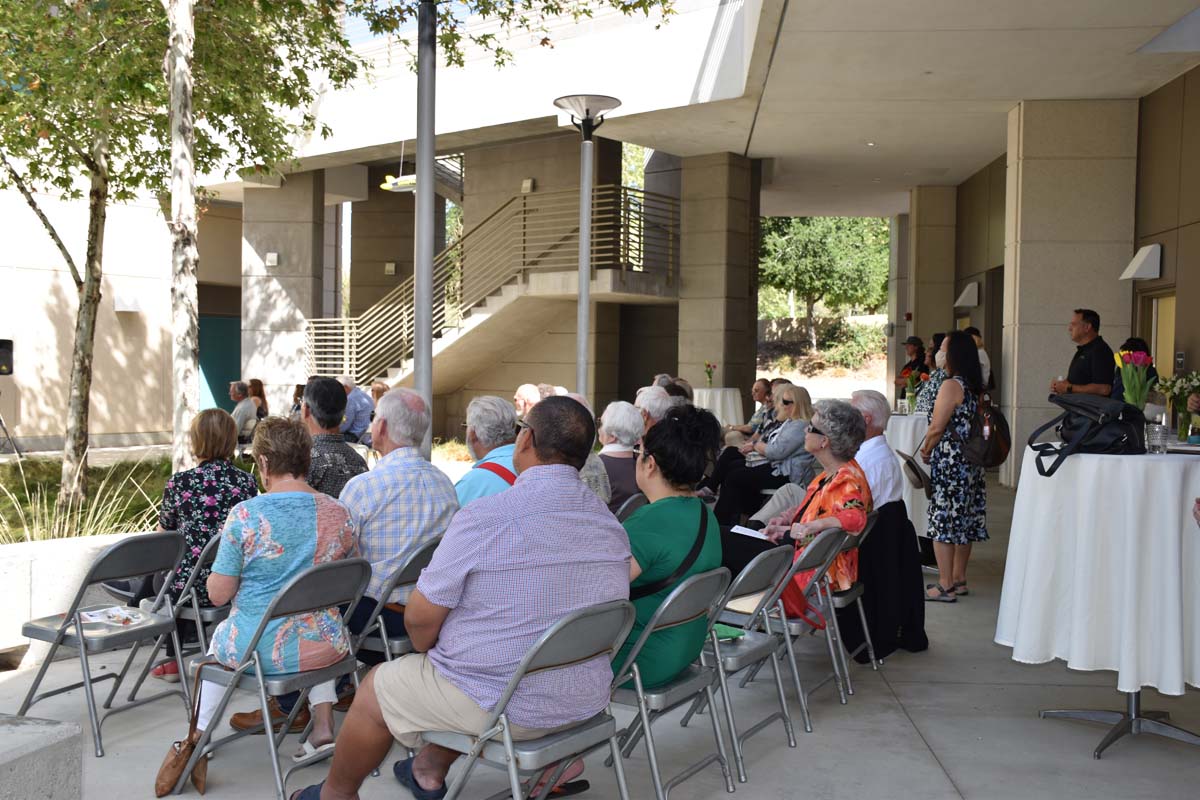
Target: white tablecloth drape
x=724 y=403
x=906 y=433
x=1104 y=569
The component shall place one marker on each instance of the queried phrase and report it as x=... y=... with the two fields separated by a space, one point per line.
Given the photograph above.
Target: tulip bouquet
x=916 y=381
x=1135 y=367
x=709 y=368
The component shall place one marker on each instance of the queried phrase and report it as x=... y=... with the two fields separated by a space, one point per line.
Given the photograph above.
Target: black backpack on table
x=1090 y=424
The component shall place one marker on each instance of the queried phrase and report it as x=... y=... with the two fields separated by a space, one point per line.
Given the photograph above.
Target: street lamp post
x=587 y=114
x=423 y=245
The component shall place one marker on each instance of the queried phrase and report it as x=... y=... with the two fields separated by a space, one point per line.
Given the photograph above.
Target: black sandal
x=960 y=589
x=943 y=595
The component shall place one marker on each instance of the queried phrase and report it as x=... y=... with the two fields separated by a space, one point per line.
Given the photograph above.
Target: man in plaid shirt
x=509 y=567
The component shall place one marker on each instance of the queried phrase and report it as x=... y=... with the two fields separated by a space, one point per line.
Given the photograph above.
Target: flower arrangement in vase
x=709 y=368
x=1176 y=389
x=1135 y=369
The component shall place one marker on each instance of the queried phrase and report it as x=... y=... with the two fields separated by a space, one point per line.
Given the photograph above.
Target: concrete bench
x=40 y=758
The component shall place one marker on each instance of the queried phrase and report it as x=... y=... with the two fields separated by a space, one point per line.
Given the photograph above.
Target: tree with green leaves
x=838 y=261
x=121 y=98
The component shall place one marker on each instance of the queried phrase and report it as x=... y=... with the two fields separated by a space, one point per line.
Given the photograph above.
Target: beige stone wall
x=1168 y=205
x=649 y=344
x=130 y=400
x=932 y=220
x=220 y=244
x=1069 y=234
x=545 y=357
x=381 y=230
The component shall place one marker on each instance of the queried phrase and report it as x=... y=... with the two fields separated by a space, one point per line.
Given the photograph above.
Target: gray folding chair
x=587 y=634
x=323 y=586
x=697 y=597
x=831 y=602
x=751 y=649
x=135 y=557
x=187 y=607
x=374 y=636
x=817 y=556
x=631 y=504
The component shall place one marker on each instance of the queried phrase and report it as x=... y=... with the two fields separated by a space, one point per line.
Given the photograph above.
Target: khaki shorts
x=414 y=698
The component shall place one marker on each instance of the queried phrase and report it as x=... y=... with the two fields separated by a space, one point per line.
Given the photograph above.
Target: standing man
x=1091 y=370
x=526 y=397
x=333 y=461
x=491 y=436
x=914 y=350
x=245 y=413
x=355 y=427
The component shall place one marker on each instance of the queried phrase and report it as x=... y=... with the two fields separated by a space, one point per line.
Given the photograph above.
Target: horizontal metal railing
x=632 y=231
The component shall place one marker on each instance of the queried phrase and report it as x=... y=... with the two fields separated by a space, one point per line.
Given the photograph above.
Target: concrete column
x=285 y=225
x=1069 y=230
x=897 y=297
x=931 y=225
x=718 y=305
x=381 y=233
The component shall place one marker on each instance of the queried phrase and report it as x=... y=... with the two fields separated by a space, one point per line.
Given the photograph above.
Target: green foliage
x=851 y=344
x=840 y=261
x=633 y=165
x=772 y=303
x=72 y=71
x=126 y=497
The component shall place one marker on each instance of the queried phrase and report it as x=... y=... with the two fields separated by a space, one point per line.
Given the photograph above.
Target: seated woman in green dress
x=671 y=461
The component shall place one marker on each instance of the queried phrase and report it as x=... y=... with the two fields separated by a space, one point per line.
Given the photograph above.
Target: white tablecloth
x=906 y=433
x=724 y=403
x=1104 y=569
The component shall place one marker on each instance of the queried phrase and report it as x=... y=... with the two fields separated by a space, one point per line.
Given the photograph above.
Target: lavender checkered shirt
x=396 y=507
x=509 y=567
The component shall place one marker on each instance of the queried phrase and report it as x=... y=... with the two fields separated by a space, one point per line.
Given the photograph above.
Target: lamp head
x=587 y=110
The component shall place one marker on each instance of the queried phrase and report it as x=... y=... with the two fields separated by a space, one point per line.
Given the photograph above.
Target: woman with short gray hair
x=839 y=498
x=619 y=430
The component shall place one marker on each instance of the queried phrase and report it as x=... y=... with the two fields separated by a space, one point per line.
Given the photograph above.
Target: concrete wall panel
x=1159 y=141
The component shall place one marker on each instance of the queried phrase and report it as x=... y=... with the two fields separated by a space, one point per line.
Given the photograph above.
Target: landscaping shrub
x=851 y=345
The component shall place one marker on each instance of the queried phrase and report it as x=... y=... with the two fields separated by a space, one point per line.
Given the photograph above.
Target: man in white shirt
x=245 y=413
x=875 y=456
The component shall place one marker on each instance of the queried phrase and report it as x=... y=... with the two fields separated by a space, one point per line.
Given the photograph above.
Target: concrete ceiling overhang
x=928 y=83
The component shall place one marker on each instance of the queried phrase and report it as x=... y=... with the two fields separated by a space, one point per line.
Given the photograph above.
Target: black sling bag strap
x=653 y=588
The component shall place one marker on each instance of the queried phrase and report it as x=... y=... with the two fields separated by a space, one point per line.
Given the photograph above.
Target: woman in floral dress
x=958 y=508
x=196 y=502
x=936 y=361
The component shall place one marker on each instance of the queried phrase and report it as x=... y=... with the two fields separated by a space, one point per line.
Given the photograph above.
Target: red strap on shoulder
x=491 y=466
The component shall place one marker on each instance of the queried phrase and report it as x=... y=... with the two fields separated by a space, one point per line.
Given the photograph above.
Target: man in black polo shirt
x=1091 y=370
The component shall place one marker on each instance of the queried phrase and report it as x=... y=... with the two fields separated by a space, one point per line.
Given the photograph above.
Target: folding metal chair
x=631 y=504
x=832 y=602
x=817 y=556
x=323 y=586
x=134 y=557
x=697 y=597
x=594 y=632
x=187 y=607
x=374 y=636
x=751 y=649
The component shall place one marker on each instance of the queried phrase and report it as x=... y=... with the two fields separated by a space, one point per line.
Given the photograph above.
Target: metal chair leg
x=833 y=632
x=37 y=680
x=651 y=754
x=716 y=726
x=264 y=703
x=783 y=708
x=618 y=766
x=801 y=695
x=739 y=762
x=90 y=696
x=514 y=776
x=862 y=616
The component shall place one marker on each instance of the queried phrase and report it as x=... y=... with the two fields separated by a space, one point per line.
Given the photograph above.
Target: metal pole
x=583 y=318
x=423 y=255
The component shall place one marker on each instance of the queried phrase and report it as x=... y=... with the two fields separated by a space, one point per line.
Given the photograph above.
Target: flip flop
x=569 y=788
x=308 y=792
x=567 y=785
x=403 y=770
x=307 y=751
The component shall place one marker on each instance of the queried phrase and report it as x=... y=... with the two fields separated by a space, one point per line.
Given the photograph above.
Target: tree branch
x=29 y=198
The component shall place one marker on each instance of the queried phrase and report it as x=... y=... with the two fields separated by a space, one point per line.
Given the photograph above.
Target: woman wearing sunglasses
x=778 y=458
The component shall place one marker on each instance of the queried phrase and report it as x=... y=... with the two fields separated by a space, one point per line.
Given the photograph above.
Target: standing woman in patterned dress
x=958 y=509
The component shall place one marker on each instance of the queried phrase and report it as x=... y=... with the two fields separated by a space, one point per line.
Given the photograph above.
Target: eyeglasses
x=639 y=450
x=523 y=425
x=816 y=430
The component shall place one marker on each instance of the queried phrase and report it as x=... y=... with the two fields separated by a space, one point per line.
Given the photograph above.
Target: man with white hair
x=654 y=402
x=889 y=564
x=491 y=435
x=526 y=397
x=593 y=474
x=396 y=507
x=356 y=425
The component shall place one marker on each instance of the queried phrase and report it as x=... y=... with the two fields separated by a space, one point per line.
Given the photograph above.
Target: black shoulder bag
x=653 y=588
x=1090 y=424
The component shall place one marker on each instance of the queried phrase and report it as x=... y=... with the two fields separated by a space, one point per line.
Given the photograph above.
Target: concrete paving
x=957 y=721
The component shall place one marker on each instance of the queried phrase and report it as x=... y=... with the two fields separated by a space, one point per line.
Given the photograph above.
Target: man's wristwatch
x=1070 y=388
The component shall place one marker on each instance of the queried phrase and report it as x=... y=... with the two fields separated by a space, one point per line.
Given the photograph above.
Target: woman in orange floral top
x=839 y=498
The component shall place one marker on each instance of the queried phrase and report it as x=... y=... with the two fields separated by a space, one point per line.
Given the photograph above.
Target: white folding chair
x=135 y=557
x=321 y=587
x=587 y=634
x=695 y=598
x=755 y=646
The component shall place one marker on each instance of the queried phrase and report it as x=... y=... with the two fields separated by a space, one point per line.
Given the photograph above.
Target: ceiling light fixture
x=870 y=144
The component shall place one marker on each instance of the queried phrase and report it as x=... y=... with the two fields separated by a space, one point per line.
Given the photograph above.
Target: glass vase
x=1185 y=424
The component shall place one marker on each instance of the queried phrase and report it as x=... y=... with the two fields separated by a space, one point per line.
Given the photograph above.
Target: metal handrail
x=632 y=231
